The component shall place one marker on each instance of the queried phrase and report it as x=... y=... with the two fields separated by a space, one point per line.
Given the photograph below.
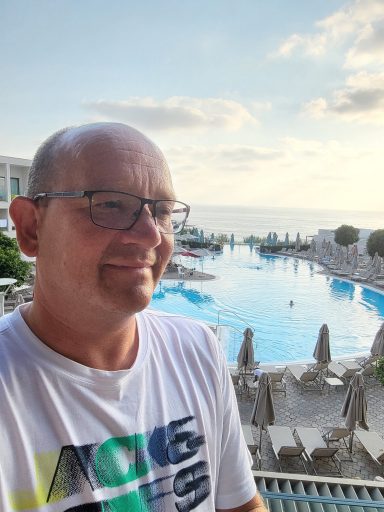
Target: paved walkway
x=312 y=409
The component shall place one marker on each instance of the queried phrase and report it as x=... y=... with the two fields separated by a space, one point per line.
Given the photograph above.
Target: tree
x=375 y=243
x=346 y=235
x=11 y=264
x=222 y=239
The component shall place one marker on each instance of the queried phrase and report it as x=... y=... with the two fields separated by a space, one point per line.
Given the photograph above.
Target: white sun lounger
x=252 y=446
x=307 y=378
x=277 y=378
x=284 y=444
x=344 y=369
x=367 y=361
x=373 y=444
x=316 y=447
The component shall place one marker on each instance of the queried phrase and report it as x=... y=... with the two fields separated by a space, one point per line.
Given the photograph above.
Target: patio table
x=333 y=382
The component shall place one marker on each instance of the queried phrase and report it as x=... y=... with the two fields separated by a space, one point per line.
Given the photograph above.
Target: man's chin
x=129 y=301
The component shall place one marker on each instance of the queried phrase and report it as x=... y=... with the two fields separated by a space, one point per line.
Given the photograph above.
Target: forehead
x=115 y=160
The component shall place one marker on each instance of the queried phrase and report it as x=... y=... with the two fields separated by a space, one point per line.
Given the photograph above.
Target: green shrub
x=379 y=370
x=346 y=235
x=375 y=243
x=11 y=264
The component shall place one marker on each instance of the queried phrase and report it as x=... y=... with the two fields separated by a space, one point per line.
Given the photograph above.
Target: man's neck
x=94 y=344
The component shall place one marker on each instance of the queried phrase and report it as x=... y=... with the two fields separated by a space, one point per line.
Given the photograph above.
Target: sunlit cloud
x=311 y=45
x=175 y=113
x=221 y=157
x=250 y=175
x=356 y=23
x=362 y=100
x=368 y=48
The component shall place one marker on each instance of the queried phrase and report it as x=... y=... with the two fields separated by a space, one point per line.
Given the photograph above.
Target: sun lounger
x=368 y=371
x=373 y=444
x=316 y=447
x=368 y=366
x=237 y=383
x=337 y=434
x=307 y=378
x=252 y=446
x=284 y=444
x=367 y=361
x=318 y=366
x=277 y=378
x=344 y=369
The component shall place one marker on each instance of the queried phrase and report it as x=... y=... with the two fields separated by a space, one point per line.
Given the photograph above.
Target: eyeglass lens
x=120 y=211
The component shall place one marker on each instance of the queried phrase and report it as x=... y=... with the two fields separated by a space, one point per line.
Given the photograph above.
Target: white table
x=5 y=284
x=333 y=382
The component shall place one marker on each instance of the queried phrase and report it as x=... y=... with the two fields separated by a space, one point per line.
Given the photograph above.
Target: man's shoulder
x=175 y=321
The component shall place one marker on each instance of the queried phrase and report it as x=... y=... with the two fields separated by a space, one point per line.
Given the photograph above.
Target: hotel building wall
x=13 y=181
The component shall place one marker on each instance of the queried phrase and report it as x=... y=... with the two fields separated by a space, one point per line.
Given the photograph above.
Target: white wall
x=11 y=167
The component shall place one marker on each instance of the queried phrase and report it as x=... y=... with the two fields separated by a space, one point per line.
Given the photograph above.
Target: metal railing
x=234 y=314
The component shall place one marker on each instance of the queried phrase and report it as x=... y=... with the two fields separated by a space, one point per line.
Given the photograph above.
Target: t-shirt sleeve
x=235 y=484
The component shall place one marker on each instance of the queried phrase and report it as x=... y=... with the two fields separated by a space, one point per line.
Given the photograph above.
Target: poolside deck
x=189 y=275
x=312 y=409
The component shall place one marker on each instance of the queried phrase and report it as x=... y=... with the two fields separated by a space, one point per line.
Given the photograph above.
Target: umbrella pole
x=261 y=433
x=351 y=442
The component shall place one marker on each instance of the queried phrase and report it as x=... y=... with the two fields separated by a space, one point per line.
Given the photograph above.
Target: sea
x=244 y=221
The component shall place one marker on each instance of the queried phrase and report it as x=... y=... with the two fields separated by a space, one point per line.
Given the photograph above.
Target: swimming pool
x=258 y=288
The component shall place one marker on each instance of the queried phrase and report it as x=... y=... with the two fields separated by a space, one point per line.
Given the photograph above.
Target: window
x=3 y=195
x=15 y=187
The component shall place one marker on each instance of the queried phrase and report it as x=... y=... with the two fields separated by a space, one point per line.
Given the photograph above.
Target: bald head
x=56 y=156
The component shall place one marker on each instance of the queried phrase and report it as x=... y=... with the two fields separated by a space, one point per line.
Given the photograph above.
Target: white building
x=13 y=182
x=329 y=235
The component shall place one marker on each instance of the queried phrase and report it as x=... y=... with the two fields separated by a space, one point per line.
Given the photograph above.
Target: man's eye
x=164 y=212
x=108 y=205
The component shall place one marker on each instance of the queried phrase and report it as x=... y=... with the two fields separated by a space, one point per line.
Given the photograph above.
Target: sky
x=254 y=102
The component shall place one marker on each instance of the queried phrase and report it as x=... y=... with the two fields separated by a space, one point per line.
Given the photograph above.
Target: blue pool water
x=259 y=288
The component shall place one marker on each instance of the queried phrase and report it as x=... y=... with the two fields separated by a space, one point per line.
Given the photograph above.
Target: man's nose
x=144 y=231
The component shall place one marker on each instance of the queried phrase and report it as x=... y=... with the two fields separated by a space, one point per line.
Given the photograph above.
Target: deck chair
x=284 y=445
x=367 y=361
x=252 y=446
x=368 y=371
x=373 y=444
x=236 y=382
x=344 y=369
x=318 y=366
x=279 y=384
x=307 y=378
x=316 y=447
x=337 y=434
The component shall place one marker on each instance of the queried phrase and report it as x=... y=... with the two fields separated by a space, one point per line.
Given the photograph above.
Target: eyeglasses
x=118 y=210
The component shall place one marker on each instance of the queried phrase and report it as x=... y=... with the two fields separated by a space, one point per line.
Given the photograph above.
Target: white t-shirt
x=164 y=435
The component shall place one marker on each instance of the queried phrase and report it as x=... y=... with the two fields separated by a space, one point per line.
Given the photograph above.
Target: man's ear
x=24 y=213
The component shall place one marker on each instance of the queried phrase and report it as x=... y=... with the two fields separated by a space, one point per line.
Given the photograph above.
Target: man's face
x=89 y=266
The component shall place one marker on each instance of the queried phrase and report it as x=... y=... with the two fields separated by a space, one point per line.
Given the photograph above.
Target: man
x=106 y=407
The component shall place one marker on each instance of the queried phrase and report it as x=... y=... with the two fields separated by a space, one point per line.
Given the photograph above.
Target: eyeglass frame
x=89 y=194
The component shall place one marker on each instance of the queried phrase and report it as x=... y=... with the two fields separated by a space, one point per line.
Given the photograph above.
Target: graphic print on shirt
x=123 y=462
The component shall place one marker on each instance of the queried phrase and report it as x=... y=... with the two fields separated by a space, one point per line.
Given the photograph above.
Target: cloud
x=368 y=48
x=175 y=113
x=221 y=157
x=312 y=45
x=358 y=23
x=292 y=172
x=362 y=100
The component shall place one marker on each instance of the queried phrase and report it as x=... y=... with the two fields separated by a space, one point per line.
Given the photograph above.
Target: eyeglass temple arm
x=59 y=194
